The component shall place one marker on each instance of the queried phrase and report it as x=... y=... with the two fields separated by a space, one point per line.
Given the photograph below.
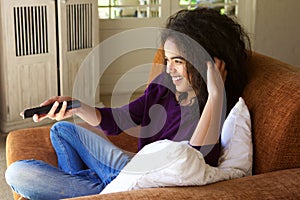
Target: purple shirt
x=159 y=115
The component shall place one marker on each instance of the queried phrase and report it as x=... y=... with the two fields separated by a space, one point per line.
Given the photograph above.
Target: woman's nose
x=170 y=68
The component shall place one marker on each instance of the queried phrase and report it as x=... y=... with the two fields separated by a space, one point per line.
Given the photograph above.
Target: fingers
x=210 y=69
x=215 y=83
x=213 y=70
x=209 y=65
x=22 y=114
x=38 y=118
x=61 y=114
x=50 y=101
x=52 y=114
x=55 y=98
x=220 y=65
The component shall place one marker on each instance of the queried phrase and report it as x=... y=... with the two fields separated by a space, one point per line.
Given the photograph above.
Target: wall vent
x=79 y=26
x=31 y=30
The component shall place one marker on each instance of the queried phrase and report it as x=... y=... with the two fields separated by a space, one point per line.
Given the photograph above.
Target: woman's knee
x=59 y=128
x=14 y=170
x=19 y=172
x=30 y=178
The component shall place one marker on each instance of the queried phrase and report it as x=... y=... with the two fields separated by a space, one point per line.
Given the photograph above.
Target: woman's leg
x=77 y=147
x=34 y=179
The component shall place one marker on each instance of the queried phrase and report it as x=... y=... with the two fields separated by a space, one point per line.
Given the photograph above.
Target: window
x=228 y=7
x=124 y=9
x=114 y=9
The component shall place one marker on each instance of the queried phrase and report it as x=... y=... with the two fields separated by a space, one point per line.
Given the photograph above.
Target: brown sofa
x=273 y=97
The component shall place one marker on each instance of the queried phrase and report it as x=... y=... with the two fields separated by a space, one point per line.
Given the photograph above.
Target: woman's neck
x=186 y=99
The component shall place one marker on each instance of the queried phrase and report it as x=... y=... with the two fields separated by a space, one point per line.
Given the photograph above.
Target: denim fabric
x=86 y=164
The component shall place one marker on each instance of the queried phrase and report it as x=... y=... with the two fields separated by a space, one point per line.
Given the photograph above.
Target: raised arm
x=208 y=128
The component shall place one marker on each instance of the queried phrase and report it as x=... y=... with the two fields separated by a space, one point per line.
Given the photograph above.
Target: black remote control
x=45 y=109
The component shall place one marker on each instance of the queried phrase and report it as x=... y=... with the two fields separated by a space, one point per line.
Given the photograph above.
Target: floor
x=5 y=191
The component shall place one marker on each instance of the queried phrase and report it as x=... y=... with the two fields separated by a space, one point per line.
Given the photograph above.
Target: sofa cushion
x=272 y=96
x=282 y=184
x=30 y=143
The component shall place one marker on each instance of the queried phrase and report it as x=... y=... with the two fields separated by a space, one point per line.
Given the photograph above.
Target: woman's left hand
x=216 y=76
x=220 y=64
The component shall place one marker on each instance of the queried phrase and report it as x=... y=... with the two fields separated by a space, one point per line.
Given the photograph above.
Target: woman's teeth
x=177 y=78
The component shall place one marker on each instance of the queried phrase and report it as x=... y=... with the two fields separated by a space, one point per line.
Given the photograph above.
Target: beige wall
x=274 y=26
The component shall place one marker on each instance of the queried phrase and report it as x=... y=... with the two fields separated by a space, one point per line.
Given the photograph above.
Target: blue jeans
x=86 y=164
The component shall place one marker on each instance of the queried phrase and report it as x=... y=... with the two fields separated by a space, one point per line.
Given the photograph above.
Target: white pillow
x=236 y=140
x=169 y=163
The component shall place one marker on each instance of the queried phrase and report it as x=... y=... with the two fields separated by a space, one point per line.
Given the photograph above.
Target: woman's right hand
x=87 y=113
x=62 y=114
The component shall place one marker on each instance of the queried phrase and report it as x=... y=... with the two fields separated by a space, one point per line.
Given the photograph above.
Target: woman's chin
x=180 y=90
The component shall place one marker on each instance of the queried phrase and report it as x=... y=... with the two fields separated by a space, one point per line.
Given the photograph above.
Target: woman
x=87 y=162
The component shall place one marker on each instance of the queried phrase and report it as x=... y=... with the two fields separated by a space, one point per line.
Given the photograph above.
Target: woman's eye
x=178 y=61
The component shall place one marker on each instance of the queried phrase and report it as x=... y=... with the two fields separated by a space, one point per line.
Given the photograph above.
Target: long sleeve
x=116 y=120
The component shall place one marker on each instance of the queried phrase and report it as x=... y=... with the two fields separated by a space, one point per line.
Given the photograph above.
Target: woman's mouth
x=176 y=79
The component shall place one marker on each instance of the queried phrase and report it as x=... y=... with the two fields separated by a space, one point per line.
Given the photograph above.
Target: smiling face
x=176 y=67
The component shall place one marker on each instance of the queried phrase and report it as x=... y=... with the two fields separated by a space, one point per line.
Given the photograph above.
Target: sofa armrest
x=31 y=143
x=283 y=184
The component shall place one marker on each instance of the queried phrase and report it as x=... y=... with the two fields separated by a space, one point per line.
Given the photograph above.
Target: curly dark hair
x=221 y=37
